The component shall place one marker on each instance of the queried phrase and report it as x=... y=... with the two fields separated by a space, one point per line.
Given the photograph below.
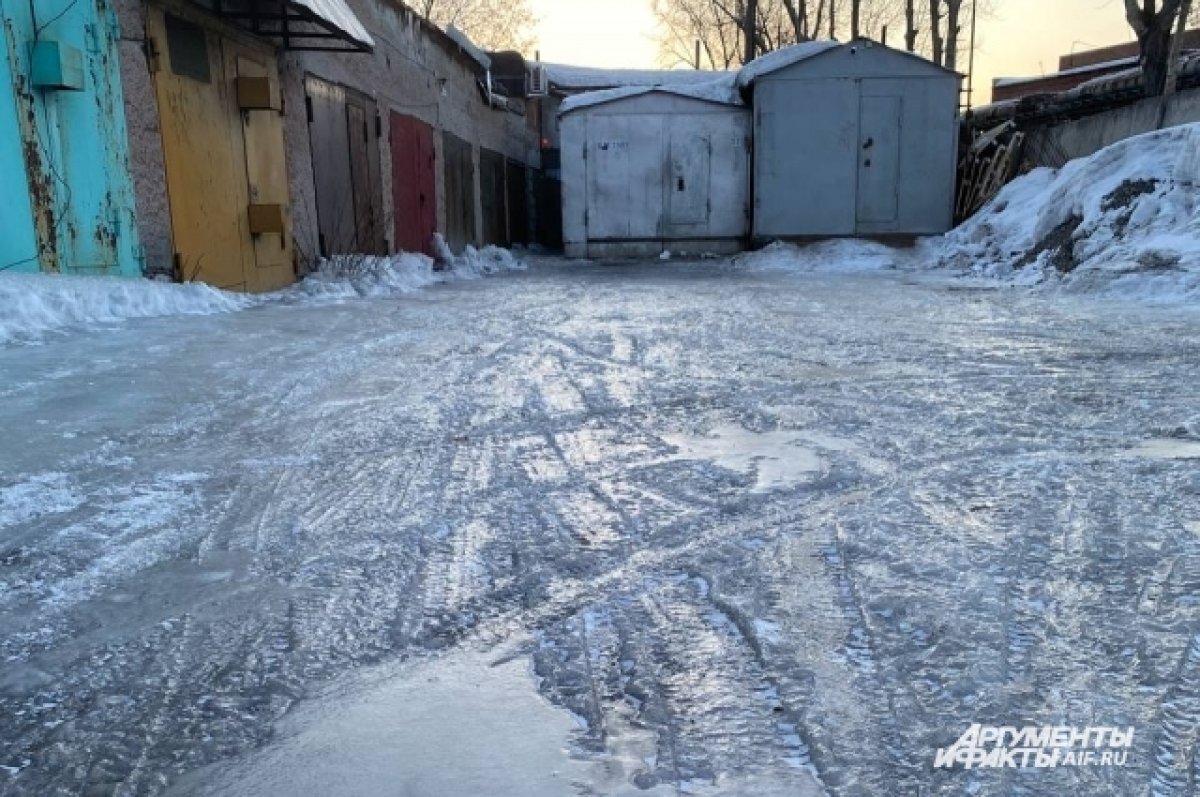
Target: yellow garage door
x=226 y=174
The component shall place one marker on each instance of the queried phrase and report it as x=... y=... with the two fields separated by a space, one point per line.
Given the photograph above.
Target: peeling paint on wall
x=78 y=213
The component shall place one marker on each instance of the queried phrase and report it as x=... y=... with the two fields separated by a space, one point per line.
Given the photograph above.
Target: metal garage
x=852 y=139
x=647 y=170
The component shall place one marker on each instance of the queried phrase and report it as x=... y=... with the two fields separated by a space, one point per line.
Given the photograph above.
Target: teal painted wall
x=71 y=147
x=18 y=243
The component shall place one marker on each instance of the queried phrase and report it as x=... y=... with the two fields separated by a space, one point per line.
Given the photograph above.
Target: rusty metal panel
x=460 y=191
x=414 y=191
x=205 y=161
x=272 y=264
x=493 y=197
x=77 y=214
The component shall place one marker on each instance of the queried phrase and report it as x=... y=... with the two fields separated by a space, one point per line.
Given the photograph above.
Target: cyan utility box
x=57 y=67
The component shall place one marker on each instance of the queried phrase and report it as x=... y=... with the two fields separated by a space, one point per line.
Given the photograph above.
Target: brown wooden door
x=364 y=174
x=493 y=197
x=328 y=136
x=414 y=192
x=460 y=191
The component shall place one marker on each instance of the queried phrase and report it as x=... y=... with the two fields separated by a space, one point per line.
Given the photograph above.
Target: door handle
x=870 y=142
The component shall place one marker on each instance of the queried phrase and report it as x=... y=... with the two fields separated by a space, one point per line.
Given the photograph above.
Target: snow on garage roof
x=586 y=78
x=773 y=62
x=339 y=15
x=717 y=90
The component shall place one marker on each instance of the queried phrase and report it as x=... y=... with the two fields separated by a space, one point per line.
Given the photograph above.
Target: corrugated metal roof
x=339 y=15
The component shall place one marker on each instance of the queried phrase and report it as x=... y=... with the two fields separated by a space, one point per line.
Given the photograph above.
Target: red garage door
x=413 y=184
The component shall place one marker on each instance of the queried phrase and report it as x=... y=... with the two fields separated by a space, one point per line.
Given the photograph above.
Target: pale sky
x=1023 y=37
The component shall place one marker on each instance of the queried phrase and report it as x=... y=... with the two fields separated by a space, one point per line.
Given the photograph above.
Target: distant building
x=1076 y=69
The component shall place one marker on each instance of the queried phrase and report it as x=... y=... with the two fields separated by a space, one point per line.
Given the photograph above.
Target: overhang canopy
x=297 y=24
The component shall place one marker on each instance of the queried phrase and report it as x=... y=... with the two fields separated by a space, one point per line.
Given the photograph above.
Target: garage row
x=240 y=143
x=817 y=140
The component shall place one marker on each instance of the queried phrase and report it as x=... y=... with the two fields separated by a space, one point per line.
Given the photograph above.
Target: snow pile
x=33 y=304
x=371 y=276
x=1123 y=222
x=840 y=256
x=474 y=263
x=354 y=276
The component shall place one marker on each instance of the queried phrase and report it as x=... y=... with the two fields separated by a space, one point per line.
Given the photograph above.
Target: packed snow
x=780 y=59
x=35 y=305
x=842 y=255
x=1124 y=222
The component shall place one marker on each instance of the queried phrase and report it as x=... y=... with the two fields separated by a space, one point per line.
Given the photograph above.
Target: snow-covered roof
x=718 y=90
x=586 y=78
x=339 y=15
x=773 y=62
x=1004 y=82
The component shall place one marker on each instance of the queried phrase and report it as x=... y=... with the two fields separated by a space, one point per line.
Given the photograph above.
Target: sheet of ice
x=1168 y=448
x=777 y=459
x=461 y=725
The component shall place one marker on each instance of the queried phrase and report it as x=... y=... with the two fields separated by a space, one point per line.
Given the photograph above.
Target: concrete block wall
x=1055 y=144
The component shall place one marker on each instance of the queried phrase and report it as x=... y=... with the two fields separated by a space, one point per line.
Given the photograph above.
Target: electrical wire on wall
x=56 y=215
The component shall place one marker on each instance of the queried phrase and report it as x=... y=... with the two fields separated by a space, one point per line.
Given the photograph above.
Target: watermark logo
x=1037 y=747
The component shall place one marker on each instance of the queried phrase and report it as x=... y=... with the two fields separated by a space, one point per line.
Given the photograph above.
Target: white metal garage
x=648 y=170
x=852 y=139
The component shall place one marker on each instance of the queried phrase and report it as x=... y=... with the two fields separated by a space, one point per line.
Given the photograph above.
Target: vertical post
x=697 y=53
x=971 y=58
x=883 y=36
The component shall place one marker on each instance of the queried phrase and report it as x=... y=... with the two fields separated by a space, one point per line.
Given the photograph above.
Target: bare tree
x=911 y=31
x=492 y=24
x=1153 y=21
x=933 y=28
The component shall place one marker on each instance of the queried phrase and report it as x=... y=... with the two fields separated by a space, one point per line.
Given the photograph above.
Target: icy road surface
x=749 y=535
